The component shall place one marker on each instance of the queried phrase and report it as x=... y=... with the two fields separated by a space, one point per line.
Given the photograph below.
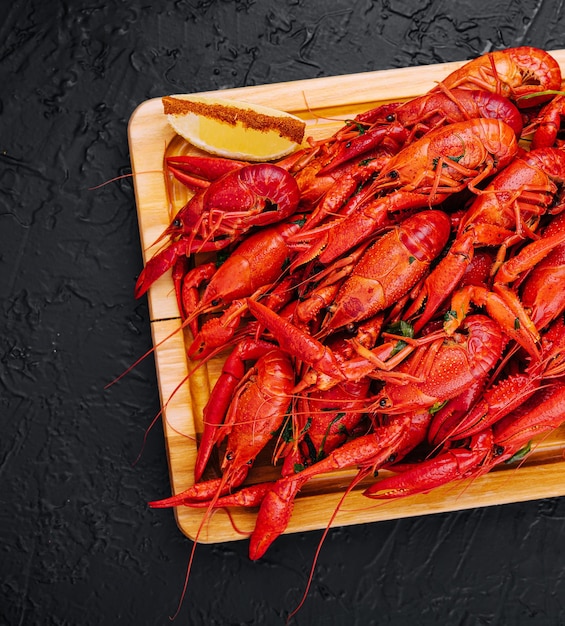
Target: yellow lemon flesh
x=232 y=129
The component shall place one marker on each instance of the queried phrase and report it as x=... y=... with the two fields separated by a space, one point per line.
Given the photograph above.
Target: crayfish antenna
x=360 y=476
x=123 y=177
x=183 y=325
x=131 y=367
x=144 y=356
x=159 y=414
x=111 y=180
x=205 y=518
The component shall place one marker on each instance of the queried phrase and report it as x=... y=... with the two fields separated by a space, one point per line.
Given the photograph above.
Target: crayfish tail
x=274 y=515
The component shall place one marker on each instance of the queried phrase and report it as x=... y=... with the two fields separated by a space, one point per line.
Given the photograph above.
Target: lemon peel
x=234 y=129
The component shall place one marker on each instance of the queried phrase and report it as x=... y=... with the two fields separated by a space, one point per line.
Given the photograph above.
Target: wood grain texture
x=323 y=103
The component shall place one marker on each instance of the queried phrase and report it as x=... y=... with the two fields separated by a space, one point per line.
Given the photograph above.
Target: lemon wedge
x=233 y=129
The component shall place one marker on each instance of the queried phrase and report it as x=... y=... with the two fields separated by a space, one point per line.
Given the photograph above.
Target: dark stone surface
x=78 y=542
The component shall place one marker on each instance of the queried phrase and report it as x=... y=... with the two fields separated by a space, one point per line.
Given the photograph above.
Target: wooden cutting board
x=323 y=103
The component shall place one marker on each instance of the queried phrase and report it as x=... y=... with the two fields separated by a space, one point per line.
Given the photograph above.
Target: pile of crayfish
x=392 y=295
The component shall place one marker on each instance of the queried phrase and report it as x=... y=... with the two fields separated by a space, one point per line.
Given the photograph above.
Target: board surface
x=323 y=103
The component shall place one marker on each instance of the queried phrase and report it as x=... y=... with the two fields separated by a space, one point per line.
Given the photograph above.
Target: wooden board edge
x=313 y=512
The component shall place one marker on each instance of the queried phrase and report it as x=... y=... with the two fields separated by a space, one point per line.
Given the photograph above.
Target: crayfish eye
x=383 y=402
x=390 y=117
x=498 y=450
x=229 y=456
x=393 y=174
x=177 y=223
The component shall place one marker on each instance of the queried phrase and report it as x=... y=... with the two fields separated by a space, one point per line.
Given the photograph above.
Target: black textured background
x=78 y=544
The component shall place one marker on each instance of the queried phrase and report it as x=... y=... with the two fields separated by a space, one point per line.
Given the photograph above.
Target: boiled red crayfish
x=506 y=212
x=445 y=161
x=517 y=73
x=254 y=267
x=247 y=408
x=220 y=213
